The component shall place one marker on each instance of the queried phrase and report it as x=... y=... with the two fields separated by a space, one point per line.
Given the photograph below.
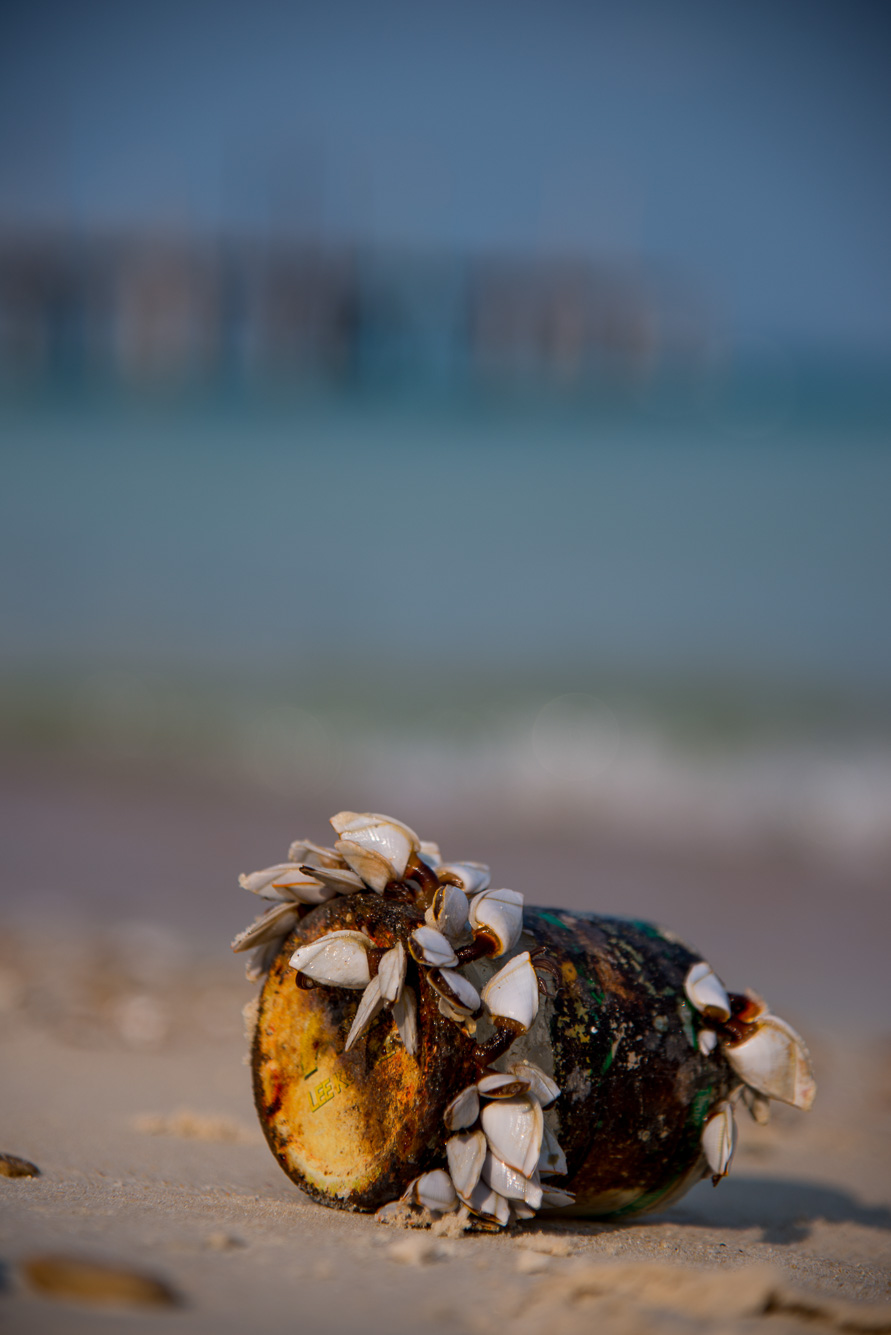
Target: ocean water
x=664 y=615
x=239 y=534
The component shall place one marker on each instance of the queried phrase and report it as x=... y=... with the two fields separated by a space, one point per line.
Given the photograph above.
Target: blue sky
x=744 y=147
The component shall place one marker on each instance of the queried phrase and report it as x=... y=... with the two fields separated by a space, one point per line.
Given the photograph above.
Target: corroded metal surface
x=619 y=1036
x=351 y=1128
x=636 y=1089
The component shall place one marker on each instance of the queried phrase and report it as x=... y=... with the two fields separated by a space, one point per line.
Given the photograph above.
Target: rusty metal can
x=619 y=1036
x=499 y=1060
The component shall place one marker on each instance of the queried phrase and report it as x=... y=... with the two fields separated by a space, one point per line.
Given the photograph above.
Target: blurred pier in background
x=144 y=309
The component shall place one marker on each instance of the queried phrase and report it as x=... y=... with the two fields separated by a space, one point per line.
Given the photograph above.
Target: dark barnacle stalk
x=508 y=1031
x=503 y=1039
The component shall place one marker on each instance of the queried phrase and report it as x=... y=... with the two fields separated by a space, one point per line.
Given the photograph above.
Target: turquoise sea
x=681 y=585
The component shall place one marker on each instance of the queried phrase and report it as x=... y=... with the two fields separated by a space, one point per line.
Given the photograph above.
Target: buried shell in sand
x=423 y=1038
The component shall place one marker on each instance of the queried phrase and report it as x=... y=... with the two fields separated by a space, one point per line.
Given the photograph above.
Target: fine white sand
x=121 y=1049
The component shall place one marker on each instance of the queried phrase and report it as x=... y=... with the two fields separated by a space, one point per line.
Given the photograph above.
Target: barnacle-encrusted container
x=619 y=1036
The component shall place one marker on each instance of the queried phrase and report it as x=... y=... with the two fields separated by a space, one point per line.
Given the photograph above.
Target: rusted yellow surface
x=338 y=1118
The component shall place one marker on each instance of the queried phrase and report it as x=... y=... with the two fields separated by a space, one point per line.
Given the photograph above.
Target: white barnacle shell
x=428 y=852
x=457 y=1014
x=370 y=1003
x=305 y=853
x=261 y=960
x=466 y=1153
x=520 y=1210
x=707 y=1041
x=430 y=947
x=377 y=847
x=271 y=926
x=391 y=972
x=471 y=877
x=434 y=1189
x=339 y=880
x=551 y=1160
x=706 y=991
x=774 y=1061
x=512 y=993
x=373 y=829
x=448 y=912
x=757 y=1105
x=405 y=1014
x=457 y=990
x=541 y=1086
x=555 y=1198
x=498 y=914
x=339 y=959
x=285 y=882
x=719 y=1139
x=509 y=1183
x=501 y=1085
x=372 y=867
x=514 y=1129
x=463 y=1110
x=488 y=1204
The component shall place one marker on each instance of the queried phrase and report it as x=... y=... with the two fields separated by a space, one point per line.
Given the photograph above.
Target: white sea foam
x=832 y=802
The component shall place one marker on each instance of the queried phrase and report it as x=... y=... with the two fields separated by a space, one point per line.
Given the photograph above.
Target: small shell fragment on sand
x=548 y=1244
x=223 y=1242
x=12 y=1166
x=415 y=1250
x=74 y=1279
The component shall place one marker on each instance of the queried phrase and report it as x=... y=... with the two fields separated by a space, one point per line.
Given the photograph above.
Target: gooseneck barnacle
x=499 y=1155
x=769 y=1057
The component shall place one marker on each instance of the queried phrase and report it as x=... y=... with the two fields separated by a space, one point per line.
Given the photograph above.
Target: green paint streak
x=647 y=929
x=685 y=1011
x=608 y=1060
x=700 y=1105
x=645 y=1201
x=553 y=918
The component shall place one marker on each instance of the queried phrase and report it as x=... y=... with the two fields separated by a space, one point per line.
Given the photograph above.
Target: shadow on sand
x=785 y=1209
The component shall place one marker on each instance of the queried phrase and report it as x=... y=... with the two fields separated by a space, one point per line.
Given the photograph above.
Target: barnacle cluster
x=765 y=1052
x=500 y=1147
x=499 y=1151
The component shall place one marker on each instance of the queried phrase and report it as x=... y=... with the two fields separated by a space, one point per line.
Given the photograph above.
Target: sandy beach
x=125 y=1084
